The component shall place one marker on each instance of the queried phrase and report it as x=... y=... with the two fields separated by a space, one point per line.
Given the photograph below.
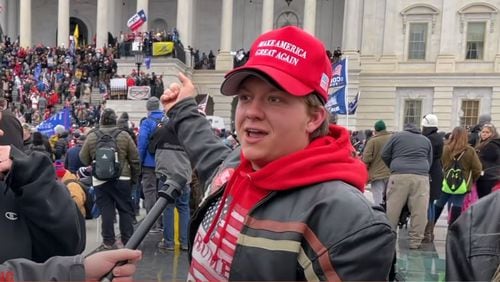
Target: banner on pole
x=136 y=20
x=62 y=117
x=337 y=93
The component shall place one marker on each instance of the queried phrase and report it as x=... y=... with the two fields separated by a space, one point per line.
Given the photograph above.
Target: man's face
x=271 y=123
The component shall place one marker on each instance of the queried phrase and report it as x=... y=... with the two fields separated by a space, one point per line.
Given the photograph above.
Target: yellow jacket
x=75 y=190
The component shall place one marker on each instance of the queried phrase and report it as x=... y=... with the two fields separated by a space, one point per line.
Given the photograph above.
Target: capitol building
x=406 y=58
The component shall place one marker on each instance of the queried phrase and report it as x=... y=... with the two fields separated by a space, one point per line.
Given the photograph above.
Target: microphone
x=167 y=195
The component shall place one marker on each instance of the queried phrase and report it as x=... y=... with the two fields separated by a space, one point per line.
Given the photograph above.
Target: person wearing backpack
x=146 y=130
x=461 y=165
x=115 y=167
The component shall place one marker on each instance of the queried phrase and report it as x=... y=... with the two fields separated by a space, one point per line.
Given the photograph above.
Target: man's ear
x=316 y=119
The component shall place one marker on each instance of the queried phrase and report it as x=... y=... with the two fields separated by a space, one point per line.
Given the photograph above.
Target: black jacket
x=473 y=242
x=9 y=123
x=490 y=159
x=38 y=217
x=436 y=170
x=353 y=246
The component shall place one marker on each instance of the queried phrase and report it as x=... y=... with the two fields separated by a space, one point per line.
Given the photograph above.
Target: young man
x=288 y=204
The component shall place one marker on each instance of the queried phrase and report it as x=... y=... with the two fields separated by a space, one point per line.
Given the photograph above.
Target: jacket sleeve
x=365 y=255
x=54 y=269
x=476 y=166
x=472 y=242
x=133 y=160
x=387 y=152
x=55 y=224
x=205 y=150
x=368 y=153
x=85 y=156
x=142 y=143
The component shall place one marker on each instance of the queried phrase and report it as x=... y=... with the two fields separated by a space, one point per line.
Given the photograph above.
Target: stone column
x=351 y=39
x=310 y=16
x=224 y=58
x=25 y=23
x=388 y=50
x=3 y=16
x=12 y=19
x=102 y=23
x=63 y=23
x=445 y=61
x=267 y=15
x=185 y=26
x=144 y=5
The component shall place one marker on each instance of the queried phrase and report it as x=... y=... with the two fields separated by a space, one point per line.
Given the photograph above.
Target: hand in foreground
x=98 y=264
x=175 y=92
x=5 y=161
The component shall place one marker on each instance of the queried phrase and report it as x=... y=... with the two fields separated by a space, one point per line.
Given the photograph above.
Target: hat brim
x=285 y=81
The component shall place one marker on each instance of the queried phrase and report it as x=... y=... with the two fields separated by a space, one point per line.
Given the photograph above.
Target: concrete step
x=136 y=109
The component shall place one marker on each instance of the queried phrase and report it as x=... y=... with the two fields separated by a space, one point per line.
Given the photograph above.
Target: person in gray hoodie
x=408 y=154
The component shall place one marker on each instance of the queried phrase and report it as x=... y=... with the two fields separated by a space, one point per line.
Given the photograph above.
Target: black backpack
x=105 y=165
x=89 y=197
x=154 y=137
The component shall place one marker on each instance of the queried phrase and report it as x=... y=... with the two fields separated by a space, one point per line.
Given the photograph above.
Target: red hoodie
x=327 y=158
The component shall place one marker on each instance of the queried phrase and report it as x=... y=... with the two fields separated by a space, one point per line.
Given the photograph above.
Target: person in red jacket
x=287 y=204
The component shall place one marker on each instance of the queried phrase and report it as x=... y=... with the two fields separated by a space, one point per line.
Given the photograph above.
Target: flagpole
x=346 y=94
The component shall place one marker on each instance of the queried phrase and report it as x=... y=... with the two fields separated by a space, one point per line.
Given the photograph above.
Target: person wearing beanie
x=115 y=193
x=474 y=138
x=40 y=220
x=430 y=130
x=372 y=156
x=290 y=156
x=379 y=126
x=147 y=159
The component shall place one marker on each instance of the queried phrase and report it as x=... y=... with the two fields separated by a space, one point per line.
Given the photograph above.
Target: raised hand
x=176 y=92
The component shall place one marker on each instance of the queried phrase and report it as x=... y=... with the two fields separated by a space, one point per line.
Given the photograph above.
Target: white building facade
x=407 y=58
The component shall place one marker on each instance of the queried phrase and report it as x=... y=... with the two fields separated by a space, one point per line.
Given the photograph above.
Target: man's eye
x=274 y=99
x=243 y=97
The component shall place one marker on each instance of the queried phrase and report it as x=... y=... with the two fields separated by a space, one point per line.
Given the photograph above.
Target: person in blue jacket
x=149 y=180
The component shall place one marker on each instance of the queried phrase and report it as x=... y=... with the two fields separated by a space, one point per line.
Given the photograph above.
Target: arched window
x=286 y=18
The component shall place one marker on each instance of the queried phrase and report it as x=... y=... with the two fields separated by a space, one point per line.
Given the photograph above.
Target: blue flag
x=38 y=71
x=353 y=105
x=62 y=117
x=337 y=94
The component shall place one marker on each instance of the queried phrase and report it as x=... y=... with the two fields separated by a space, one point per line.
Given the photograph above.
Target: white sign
x=138 y=92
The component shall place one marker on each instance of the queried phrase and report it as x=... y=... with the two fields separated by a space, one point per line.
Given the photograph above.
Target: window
x=475 y=40
x=417 y=41
x=469 y=113
x=412 y=112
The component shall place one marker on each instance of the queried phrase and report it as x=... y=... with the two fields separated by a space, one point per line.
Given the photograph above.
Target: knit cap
x=153 y=104
x=379 y=125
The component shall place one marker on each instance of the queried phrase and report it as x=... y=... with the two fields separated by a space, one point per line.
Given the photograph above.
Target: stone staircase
x=136 y=109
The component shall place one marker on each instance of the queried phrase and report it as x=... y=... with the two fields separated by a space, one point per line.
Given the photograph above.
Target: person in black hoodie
x=41 y=220
x=429 y=130
x=488 y=151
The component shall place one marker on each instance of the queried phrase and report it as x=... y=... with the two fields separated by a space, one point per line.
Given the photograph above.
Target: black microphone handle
x=141 y=232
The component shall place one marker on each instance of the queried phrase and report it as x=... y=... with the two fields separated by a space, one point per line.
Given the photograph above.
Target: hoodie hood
x=325 y=159
x=410 y=127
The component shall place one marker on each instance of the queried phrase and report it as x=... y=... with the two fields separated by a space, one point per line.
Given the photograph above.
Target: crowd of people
x=264 y=200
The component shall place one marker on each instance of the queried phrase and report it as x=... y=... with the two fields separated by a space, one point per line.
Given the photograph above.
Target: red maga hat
x=294 y=59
